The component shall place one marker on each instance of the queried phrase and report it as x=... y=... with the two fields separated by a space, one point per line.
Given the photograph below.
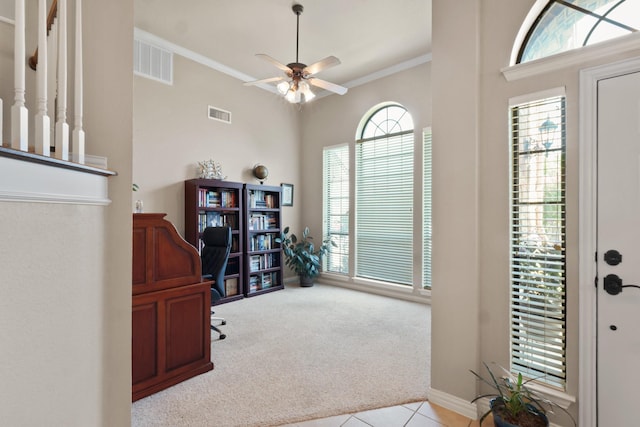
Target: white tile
x=354 y=422
x=336 y=421
x=395 y=416
x=421 y=421
x=413 y=406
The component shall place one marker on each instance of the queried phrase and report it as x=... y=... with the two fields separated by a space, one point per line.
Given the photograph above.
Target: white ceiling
x=366 y=35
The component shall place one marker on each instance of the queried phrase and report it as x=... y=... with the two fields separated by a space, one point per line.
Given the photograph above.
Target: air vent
x=152 y=62
x=220 y=115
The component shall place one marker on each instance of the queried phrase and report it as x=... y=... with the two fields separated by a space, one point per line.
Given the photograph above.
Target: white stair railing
x=51 y=78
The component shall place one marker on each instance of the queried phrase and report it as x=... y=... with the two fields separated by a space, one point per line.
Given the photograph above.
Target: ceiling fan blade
x=269 y=80
x=316 y=67
x=274 y=62
x=332 y=87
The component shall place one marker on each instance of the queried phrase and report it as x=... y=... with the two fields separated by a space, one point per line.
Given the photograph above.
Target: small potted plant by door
x=512 y=403
x=302 y=256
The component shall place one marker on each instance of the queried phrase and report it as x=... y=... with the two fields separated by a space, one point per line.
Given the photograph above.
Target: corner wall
x=455 y=269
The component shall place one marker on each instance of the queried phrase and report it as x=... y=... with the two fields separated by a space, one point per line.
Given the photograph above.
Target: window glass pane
x=426 y=209
x=384 y=198
x=336 y=207
x=562 y=27
x=387 y=120
x=538 y=241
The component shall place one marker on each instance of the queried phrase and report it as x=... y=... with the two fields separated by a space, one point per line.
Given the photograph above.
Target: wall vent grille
x=219 y=114
x=152 y=62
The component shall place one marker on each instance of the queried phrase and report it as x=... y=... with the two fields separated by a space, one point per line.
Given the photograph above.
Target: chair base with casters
x=215 y=328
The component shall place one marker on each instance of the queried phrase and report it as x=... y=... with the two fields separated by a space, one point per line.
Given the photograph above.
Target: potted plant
x=513 y=404
x=302 y=256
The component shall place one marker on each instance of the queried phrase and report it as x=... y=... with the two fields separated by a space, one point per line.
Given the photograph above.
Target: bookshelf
x=212 y=202
x=263 y=256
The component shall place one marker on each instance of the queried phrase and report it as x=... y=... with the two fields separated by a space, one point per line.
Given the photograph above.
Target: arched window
x=563 y=25
x=384 y=181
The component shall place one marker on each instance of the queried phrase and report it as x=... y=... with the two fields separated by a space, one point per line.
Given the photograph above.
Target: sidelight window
x=538 y=240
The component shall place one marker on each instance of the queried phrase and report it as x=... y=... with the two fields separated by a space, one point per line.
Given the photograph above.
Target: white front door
x=618 y=250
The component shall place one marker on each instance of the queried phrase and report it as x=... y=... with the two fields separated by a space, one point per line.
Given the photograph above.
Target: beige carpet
x=299 y=354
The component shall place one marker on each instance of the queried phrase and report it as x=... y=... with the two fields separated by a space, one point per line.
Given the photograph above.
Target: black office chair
x=214 y=255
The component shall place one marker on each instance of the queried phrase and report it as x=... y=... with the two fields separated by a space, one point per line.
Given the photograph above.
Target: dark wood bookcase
x=212 y=202
x=263 y=256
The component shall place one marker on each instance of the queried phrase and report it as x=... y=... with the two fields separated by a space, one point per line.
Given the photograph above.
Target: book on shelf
x=260 y=221
x=254 y=284
x=215 y=199
x=262 y=199
x=262 y=242
x=231 y=286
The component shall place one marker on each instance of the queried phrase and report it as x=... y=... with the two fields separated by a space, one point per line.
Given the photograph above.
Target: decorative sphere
x=260 y=171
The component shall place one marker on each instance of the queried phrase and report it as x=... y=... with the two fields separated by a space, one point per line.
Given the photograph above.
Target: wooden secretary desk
x=171 y=338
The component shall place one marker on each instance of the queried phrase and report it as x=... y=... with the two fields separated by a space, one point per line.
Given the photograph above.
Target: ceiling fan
x=298 y=76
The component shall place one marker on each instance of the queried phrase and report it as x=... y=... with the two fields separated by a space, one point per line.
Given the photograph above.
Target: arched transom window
x=570 y=24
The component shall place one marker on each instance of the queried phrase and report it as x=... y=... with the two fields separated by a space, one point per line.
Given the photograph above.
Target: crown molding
x=215 y=65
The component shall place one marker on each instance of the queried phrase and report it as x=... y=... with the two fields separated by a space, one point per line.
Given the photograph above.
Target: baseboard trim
x=453 y=403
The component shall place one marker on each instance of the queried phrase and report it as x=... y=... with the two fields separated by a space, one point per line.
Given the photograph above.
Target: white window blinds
x=384 y=206
x=538 y=250
x=336 y=207
x=426 y=208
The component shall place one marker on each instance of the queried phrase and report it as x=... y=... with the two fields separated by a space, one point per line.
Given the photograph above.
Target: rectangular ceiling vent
x=219 y=114
x=152 y=62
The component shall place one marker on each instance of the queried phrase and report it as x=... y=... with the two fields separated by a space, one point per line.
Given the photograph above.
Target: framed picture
x=287 y=194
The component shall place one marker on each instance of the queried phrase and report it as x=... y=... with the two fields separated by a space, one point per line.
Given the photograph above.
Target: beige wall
x=66 y=269
x=173 y=133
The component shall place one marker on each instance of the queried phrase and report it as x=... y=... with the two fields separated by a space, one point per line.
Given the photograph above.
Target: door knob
x=613 y=284
x=612 y=257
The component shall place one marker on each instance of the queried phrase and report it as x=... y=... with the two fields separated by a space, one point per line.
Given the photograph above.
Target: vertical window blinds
x=538 y=242
x=426 y=209
x=384 y=207
x=336 y=207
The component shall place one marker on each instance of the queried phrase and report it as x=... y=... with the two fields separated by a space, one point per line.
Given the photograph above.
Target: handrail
x=53 y=12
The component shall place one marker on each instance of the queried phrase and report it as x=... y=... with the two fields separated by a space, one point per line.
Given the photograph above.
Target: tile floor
x=419 y=414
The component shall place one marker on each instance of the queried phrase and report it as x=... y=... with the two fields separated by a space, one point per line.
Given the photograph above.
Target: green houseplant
x=512 y=403
x=302 y=256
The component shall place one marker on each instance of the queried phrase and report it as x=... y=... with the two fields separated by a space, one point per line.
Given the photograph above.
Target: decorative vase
x=306 y=281
x=139 y=206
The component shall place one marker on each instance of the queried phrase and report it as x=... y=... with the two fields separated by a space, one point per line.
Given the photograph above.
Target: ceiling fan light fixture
x=306 y=91
x=283 y=87
x=295 y=88
x=293 y=96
